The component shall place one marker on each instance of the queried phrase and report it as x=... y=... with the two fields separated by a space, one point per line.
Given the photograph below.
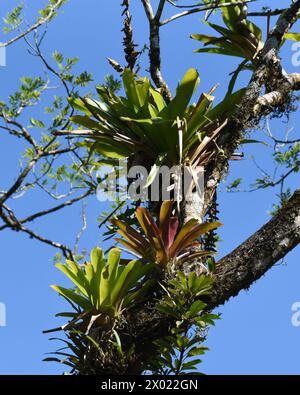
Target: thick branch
x=252 y=259
x=268 y=72
x=160 y=9
x=278 y=97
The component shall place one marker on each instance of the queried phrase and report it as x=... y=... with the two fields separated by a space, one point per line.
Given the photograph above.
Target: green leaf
x=155 y=169
x=86 y=121
x=247 y=141
x=167 y=310
x=73 y=296
x=79 y=282
x=234 y=184
x=109 y=276
x=196 y=307
x=191 y=364
x=184 y=93
x=37 y=123
x=120 y=285
x=231 y=16
x=228 y=106
x=221 y=51
x=140 y=293
x=198 y=114
x=157 y=99
x=97 y=259
x=130 y=88
x=292 y=36
x=199 y=350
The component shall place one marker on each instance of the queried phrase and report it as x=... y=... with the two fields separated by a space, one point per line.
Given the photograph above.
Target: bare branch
x=213 y=6
x=23 y=132
x=148 y=9
x=10 y=220
x=19 y=180
x=51 y=210
x=253 y=258
x=160 y=9
x=154 y=53
x=268 y=13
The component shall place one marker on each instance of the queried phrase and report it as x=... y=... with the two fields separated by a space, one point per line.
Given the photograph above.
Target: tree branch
x=160 y=9
x=42 y=213
x=148 y=9
x=154 y=52
x=268 y=13
x=36 y=25
x=268 y=72
x=11 y=221
x=212 y=6
x=279 y=97
x=253 y=258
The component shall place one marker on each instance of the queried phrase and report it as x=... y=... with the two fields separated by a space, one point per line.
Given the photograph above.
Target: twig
x=111 y=214
x=268 y=13
x=83 y=228
x=23 y=132
x=35 y=26
x=13 y=223
x=42 y=213
x=204 y=8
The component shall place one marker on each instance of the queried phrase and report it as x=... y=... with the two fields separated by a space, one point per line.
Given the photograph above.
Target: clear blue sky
x=255 y=334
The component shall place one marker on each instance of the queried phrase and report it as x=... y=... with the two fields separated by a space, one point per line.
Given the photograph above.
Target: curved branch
x=11 y=222
x=253 y=258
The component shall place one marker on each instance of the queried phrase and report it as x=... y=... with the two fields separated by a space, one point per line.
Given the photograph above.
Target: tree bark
x=253 y=258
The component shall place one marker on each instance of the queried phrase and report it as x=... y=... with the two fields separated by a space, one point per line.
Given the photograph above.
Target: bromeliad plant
x=164 y=243
x=240 y=38
x=143 y=123
x=103 y=288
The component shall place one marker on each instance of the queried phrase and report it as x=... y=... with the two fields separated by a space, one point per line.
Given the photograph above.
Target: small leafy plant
x=178 y=352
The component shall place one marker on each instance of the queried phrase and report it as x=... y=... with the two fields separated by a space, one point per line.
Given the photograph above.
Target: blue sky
x=255 y=334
